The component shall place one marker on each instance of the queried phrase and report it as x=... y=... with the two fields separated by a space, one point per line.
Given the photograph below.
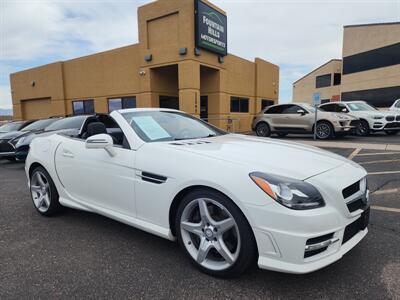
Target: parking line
x=354 y=153
x=379 y=153
x=383 y=208
x=384 y=173
x=388 y=191
x=378 y=161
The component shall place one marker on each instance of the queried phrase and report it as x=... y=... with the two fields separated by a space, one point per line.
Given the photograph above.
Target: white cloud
x=5 y=96
x=297 y=35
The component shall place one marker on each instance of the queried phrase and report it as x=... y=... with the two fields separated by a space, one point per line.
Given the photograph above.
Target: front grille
x=390 y=118
x=314 y=252
x=355 y=205
x=398 y=118
x=393 y=125
x=6 y=147
x=351 y=190
x=352 y=229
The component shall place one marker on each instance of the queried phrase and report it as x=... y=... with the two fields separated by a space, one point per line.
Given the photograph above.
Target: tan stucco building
x=166 y=68
x=369 y=69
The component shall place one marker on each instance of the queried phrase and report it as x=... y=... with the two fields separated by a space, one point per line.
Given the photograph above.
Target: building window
x=169 y=102
x=372 y=59
x=83 y=107
x=265 y=103
x=121 y=103
x=325 y=101
x=323 y=81
x=337 y=79
x=239 y=104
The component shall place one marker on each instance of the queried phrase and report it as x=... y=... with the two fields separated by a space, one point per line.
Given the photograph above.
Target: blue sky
x=296 y=35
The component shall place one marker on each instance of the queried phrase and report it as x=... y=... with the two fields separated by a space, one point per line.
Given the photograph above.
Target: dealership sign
x=210 y=26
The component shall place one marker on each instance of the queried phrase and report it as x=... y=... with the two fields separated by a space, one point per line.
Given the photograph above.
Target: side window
x=291 y=109
x=341 y=108
x=274 y=110
x=397 y=104
x=328 y=107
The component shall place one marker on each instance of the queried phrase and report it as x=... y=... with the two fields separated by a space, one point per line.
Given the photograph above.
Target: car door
x=295 y=120
x=94 y=177
x=276 y=116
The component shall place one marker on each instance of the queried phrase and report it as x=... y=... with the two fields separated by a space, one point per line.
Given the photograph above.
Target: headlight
x=17 y=141
x=292 y=193
x=341 y=117
x=377 y=117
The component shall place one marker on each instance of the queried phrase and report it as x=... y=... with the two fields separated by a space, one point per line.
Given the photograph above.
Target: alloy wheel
x=40 y=190
x=210 y=234
x=262 y=130
x=323 y=131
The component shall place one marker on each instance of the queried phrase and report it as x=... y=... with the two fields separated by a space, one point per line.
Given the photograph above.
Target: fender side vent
x=153 y=178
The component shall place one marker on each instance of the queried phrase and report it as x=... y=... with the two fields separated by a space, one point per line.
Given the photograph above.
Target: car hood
x=333 y=115
x=29 y=137
x=10 y=135
x=368 y=114
x=264 y=154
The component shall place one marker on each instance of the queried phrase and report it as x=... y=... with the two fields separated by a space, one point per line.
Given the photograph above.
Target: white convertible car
x=230 y=200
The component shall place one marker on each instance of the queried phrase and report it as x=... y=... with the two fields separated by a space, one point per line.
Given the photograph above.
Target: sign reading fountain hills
x=210 y=26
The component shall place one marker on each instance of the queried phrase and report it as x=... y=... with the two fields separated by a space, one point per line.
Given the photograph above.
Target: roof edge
x=334 y=59
x=371 y=24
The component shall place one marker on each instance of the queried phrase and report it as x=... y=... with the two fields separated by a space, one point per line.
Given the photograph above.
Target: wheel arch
x=181 y=194
x=33 y=166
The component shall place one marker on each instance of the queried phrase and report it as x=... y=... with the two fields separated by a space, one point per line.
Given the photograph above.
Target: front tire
x=214 y=234
x=44 y=194
x=363 y=128
x=262 y=129
x=324 y=130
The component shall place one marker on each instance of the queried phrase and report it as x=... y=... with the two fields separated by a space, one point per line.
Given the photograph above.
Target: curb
x=383 y=147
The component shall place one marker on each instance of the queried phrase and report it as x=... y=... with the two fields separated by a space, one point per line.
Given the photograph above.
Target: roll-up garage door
x=36 y=109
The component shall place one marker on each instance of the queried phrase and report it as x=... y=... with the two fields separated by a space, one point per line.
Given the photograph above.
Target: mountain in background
x=6 y=112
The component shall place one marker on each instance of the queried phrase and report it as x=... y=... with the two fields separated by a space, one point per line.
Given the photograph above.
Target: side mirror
x=301 y=112
x=345 y=110
x=101 y=141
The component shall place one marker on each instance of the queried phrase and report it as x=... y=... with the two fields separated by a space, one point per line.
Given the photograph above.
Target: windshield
x=10 y=127
x=39 y=125
x=155 y=126
x=67 y=123
x=360 y=106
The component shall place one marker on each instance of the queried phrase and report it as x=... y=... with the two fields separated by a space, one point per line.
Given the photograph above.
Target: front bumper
x=345 y=126
x=283 y=235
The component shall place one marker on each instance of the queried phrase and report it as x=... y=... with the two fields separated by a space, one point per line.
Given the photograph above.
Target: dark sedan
x=9 y=140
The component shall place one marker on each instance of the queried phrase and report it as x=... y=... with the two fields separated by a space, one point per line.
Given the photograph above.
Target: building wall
x=304 y=88
x=379 y=85
x=358 y=39
x=165 y=26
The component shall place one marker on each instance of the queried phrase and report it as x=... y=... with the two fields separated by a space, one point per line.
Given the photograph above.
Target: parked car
x=300 y=118
x=396 y=106
x=230 y=200
x=371 y=119
x=13 y=126
x=70 y=126
x=9 y=140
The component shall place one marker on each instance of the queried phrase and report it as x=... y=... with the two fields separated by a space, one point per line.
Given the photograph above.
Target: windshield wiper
x=192 y=138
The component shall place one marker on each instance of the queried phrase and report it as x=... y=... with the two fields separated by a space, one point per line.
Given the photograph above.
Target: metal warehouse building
x=181 y=62
x=369 y=69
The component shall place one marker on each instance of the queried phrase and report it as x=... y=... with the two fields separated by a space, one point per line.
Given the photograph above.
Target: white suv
x=371 y=119
x=396 y=106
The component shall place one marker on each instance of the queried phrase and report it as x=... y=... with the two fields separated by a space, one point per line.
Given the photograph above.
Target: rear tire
x=324 y=130
x=44 y=194
x=262 y=129
x=214 y=234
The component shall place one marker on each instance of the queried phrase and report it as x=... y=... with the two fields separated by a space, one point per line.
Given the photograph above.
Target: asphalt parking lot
x=83 y=255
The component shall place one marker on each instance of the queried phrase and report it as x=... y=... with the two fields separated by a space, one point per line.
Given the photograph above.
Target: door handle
x=67 y=154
